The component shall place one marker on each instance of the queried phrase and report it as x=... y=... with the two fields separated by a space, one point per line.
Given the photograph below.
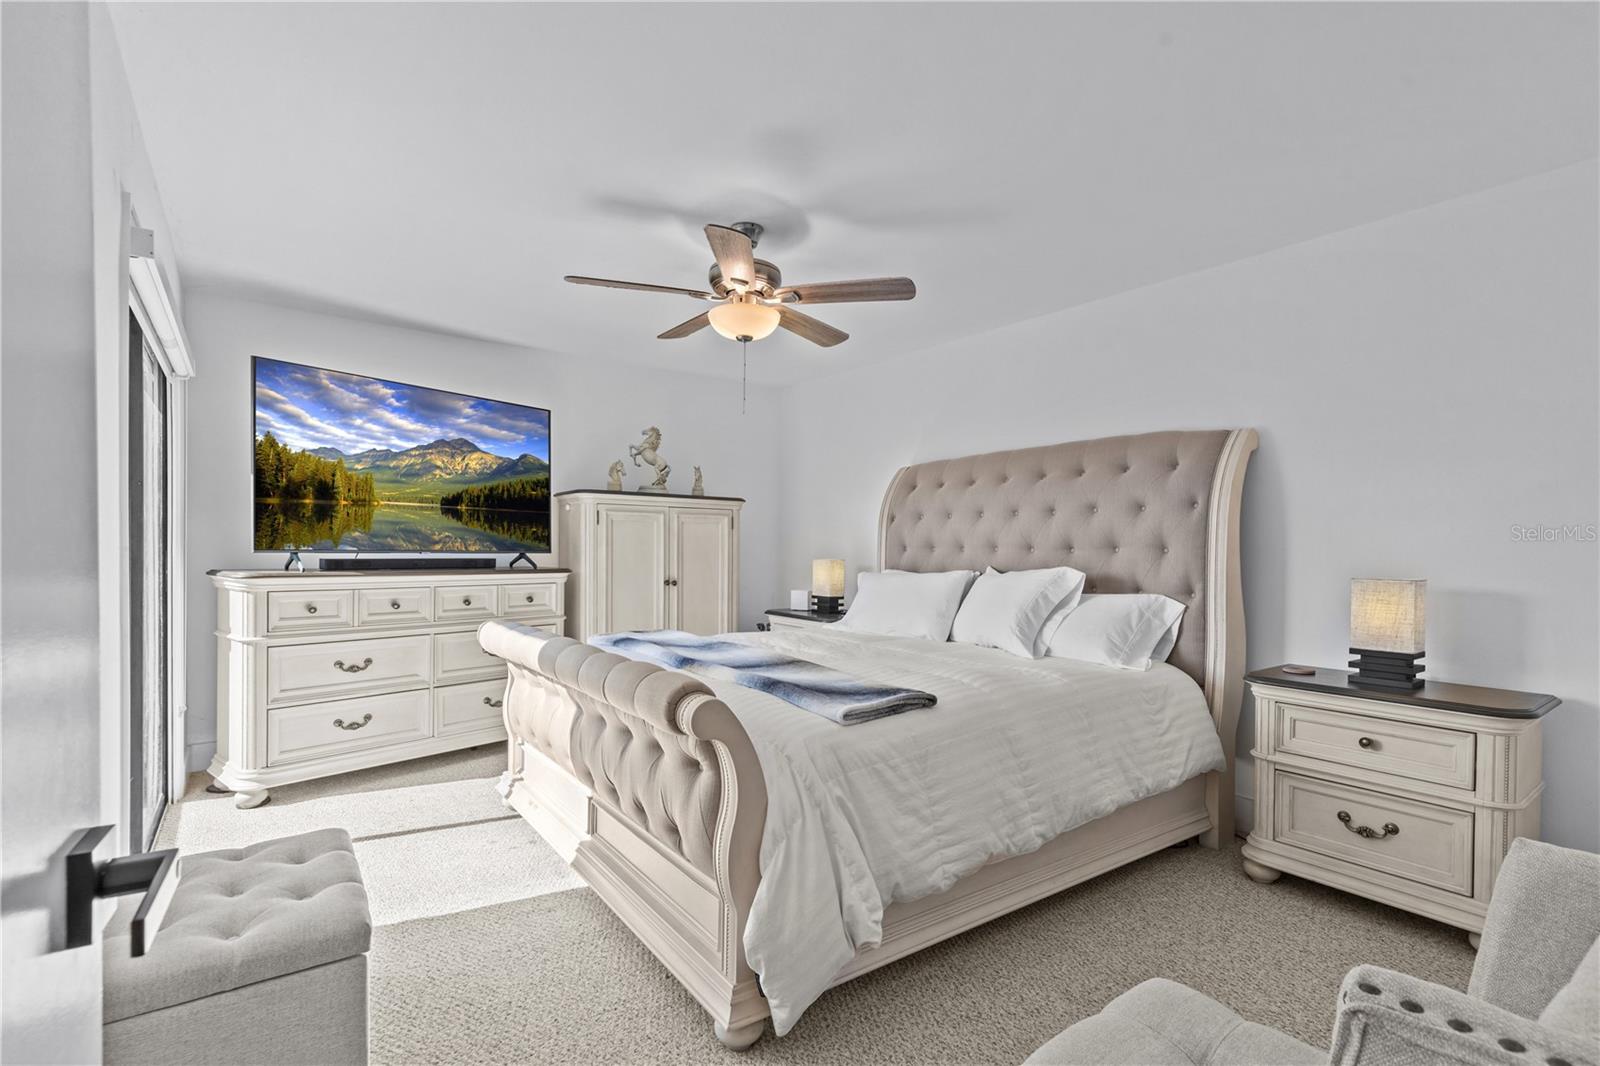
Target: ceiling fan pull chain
x=744 y=373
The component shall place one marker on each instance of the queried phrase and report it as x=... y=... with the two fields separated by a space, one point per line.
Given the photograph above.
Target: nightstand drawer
x=1417 y=841
x=1405 y=749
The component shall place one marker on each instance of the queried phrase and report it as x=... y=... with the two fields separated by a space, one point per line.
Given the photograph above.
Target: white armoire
x=646 y=561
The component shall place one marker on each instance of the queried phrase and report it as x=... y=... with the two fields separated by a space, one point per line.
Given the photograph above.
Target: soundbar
x=431 y=562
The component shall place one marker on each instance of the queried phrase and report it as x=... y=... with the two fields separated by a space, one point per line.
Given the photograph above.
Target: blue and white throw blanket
x=835 y=696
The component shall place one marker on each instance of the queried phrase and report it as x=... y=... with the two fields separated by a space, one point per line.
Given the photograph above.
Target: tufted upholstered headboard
x=1154 y=512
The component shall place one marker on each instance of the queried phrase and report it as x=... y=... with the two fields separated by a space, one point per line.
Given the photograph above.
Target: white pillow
x=1008 y=611
x=898 y=603
x=1129 y=631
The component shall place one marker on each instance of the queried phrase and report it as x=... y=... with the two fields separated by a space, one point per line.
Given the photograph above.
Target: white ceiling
x=444 y=165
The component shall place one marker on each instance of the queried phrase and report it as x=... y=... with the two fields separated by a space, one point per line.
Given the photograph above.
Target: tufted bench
x=261 y=958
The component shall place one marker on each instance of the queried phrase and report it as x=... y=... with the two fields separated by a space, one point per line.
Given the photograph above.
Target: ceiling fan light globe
x=738 y=320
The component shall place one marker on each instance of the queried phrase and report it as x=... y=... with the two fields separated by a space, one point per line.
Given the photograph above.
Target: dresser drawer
x=1417 y=841
x=304 y=612
x=539 y=599
x=376 y=607
x=459 y=657
x=310 y=671
x=1419 y=752
x=468 y=708
x=465 y=602
x=320 y=729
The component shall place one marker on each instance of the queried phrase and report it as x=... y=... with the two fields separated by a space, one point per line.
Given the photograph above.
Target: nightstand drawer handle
x=394 y=605
x=1366 y=742
x=353 y=669
x=489 y=701
x=340 y=723
x=1389 y=828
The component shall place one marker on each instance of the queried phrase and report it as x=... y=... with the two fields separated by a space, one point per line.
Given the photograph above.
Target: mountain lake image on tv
x=351 y=463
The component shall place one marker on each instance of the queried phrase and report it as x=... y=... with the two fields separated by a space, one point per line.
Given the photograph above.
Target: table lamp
x=827 y=585
x=1387 y=625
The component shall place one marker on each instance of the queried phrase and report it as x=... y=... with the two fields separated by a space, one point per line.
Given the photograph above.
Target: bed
x=659 y=789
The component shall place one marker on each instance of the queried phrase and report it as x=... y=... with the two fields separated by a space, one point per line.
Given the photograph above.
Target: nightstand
x=782 y=618
x=1410 y=798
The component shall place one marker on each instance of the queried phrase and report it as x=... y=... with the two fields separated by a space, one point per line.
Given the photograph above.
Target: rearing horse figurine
x=647 y=452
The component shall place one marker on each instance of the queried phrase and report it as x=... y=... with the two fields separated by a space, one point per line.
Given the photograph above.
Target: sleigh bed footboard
x=647 y=783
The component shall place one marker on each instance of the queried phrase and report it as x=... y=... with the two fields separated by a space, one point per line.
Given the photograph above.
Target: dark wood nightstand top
x=805 y=616
x=1442 y=695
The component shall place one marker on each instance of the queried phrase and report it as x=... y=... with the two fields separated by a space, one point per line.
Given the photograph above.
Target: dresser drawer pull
x=490 y=701
x=394 y=605
x=311 y=608
x=1366 y=742
x=466 y=601
x=530 y=598
x=340 y=723
x=1389 y=828
x=353 y=669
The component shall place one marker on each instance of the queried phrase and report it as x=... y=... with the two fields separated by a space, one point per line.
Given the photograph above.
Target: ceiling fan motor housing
x=768 y=277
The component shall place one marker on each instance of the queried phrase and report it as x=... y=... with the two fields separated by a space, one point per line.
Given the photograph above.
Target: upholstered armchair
x=1534 y=997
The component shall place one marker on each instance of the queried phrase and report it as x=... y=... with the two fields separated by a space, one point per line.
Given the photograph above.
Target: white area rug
x=431 y=835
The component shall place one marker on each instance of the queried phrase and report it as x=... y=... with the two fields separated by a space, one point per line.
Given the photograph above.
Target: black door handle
x=153 y=873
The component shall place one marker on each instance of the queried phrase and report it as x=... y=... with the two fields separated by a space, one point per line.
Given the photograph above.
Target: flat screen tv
x=345 y=462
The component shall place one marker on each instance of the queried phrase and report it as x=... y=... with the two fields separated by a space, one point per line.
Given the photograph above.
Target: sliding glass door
x=149 y=577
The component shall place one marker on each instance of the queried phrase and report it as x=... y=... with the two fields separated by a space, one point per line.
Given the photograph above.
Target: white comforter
x=1016 y=753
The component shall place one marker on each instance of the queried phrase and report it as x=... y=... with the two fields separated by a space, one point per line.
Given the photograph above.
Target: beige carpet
x=489 y=950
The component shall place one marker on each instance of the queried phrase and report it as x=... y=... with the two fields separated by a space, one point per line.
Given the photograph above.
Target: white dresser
x=327 y=672
x=1410 y=797
x=646 y=561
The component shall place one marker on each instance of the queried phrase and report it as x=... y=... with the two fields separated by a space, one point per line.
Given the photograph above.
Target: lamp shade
x=1388 y=615
x=827 y=577
x=738 y=319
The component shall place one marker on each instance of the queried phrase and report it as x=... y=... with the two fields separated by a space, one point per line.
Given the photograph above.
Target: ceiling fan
x=750 y=299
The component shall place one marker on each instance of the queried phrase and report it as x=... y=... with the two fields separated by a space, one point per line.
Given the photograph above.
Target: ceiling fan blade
x=736 y=256
x=812 y=330
x=846 y=292
x=683 y=329
x=638 y=286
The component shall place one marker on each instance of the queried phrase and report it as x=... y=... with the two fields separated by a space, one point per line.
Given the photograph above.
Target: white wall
x=1421 y=385
x=73 y=161
x=597 y=409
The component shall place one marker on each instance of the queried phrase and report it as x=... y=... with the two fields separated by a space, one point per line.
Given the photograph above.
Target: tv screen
x=345 y=462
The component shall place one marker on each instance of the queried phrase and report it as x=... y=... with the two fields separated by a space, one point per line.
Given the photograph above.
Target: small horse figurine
x=647 y=452
x=615 y=475
x=699 y=487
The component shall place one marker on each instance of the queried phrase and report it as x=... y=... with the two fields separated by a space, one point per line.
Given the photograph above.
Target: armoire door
x=701 y=571
x=631 y=569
